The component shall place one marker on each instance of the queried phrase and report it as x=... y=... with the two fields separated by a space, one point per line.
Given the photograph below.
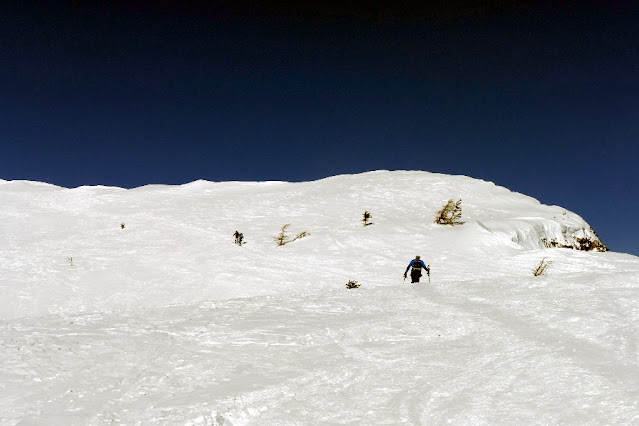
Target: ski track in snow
x=140 y=331
x=411 y=354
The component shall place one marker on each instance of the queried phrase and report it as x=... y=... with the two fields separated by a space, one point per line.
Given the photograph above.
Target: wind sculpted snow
x=167 y=321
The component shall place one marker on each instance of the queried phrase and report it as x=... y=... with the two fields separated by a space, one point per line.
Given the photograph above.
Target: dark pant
x=414 y=275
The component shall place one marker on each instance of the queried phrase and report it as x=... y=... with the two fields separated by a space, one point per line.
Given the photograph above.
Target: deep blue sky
x=538 y=98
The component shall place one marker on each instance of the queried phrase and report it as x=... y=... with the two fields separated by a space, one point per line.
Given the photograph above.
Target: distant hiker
x=417 y=264
x=238 y=238
x=367 y=217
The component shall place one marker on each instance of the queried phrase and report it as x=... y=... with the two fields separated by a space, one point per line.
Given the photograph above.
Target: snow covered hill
x=136 y=307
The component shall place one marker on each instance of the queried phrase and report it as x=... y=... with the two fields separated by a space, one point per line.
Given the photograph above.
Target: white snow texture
x=167 y=321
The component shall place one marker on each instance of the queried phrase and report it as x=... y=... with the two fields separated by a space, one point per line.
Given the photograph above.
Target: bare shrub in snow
x=542 y=267
x=122 y=225
x=367 y=217
x=282 y=238
x=70 y=259
x=352 y=284
x=450 y=214
x=301 y=235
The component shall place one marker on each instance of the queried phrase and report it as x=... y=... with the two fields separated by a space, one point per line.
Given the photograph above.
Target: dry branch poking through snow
x=283 y=239
x=542 y=267
x=352 y=284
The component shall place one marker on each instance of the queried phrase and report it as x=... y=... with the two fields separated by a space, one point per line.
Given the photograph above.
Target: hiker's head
x=417 y=257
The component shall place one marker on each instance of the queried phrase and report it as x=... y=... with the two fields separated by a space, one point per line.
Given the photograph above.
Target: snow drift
x=177 y=242
x=136 y=306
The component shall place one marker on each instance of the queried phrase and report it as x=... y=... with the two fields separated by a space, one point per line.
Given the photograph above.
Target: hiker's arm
x=408 y=267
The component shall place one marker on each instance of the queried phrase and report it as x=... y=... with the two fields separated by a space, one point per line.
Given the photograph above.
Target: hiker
x=367 y=217
x=417 y=264
x=238 y=238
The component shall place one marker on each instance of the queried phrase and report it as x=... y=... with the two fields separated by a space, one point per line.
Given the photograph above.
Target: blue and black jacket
x=416 y=264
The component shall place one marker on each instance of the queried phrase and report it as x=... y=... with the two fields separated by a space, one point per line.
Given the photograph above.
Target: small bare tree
x=352 y=284
x=282 y=238
x=122 y=226
x=70 y=259
x=542 y=267
x=366 y=218
x=450 y=214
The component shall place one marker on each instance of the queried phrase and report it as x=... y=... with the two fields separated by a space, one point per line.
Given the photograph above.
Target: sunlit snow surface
x=168 y=322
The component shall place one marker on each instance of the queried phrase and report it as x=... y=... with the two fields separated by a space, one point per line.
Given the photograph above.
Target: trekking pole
x=428 y=274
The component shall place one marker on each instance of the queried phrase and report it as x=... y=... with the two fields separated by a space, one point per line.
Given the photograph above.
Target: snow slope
x=168 y=322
